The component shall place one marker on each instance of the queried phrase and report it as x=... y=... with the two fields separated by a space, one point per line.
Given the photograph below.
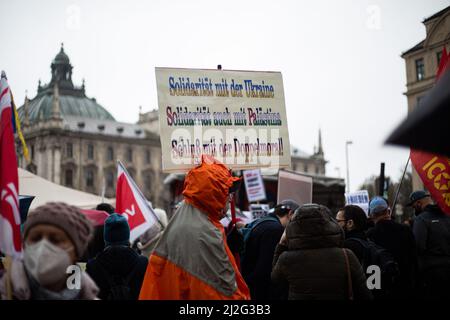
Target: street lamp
x=346 y=159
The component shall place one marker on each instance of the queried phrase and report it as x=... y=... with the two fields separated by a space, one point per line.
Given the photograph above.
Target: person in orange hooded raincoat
x=192 y=260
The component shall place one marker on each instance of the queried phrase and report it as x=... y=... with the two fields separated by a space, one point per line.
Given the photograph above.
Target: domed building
x=74 y=141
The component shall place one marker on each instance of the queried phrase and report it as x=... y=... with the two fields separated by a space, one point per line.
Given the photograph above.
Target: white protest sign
x=259 y=210
x=238 y=117
x=254 y=185
x=358 y=198
x=294 y=186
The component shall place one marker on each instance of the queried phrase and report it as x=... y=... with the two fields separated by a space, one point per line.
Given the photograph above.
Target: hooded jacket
x=121 y=262
x=192 y=260
x=432 y=234
x=313 y=263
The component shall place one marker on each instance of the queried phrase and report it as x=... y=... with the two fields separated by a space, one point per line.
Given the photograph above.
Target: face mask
x=46 y=262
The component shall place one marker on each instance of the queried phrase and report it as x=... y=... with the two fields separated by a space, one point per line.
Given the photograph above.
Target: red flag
x=97 y=217
x=443 y=64
x=434 y=170
x=132 y=204
x=10 y=237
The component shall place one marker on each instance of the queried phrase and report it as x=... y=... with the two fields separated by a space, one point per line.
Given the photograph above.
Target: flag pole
x=400 y=184
x=140 y=193
x=7 y=263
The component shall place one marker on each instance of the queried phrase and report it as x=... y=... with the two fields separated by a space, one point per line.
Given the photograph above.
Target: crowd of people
x=298 y=251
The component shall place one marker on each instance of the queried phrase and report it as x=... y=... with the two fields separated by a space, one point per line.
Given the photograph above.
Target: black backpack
x=377 y=255
x=119 y=287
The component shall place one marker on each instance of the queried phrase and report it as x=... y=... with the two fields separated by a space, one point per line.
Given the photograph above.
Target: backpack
x=377 y=255
x=119 y=287
x=247 y=230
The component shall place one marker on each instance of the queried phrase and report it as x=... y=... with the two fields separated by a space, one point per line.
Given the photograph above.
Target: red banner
x=434 y=171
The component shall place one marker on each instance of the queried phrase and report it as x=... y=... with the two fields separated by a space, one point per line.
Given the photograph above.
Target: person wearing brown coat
x=311 y=262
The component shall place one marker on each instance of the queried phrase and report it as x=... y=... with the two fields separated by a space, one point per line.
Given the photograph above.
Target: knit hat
x=116 y=230
x=377 y=205
x=66 y=217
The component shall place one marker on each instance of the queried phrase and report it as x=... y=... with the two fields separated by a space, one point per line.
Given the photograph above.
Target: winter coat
x=313 y=264
x=257 y=263
x=432 y=233
x=25 y=288
x=192 y=260
x=355 y=246
x=398 y=239
x=117 y=262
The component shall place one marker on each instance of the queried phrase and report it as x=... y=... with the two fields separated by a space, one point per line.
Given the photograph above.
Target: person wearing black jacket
x=259 y=251
x=399 y=240
x=352 y=220
x=432 y=232
x=118 y=270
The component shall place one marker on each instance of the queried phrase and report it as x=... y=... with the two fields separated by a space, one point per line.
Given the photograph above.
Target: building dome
x=40 y=108
x=61 y=57
x=60 y=97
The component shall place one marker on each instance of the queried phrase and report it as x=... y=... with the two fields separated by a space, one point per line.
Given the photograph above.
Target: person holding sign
x=192 y=260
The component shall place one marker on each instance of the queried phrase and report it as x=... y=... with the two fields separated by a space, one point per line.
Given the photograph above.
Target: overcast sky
x=340 y=60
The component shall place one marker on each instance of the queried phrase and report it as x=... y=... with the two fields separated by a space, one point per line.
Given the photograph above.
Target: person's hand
x=240 y=225
x=283 y=239
x=235 y=240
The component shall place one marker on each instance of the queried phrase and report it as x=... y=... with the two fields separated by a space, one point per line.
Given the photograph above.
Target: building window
x=438 y=57
x=109 y=179
x=32 y=152
x=147 y=156
x=110 y=154
x=130 y=155
x=90 y=152
x=89 y=178
x=420 y=69
x=148 y=183
x=69 y=178
x=305 y=168
x=69 y=150
x=317 y=170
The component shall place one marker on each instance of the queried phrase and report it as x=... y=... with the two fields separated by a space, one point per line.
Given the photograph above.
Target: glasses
x=341 y=220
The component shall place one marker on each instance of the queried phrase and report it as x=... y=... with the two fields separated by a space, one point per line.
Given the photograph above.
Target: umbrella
x=24 y=206
x=97 y=217
x=427 y=127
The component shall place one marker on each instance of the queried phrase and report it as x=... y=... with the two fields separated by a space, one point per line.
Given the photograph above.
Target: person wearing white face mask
x=55 y=236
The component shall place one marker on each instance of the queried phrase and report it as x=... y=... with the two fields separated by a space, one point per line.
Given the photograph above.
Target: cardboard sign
x=238 y=117
x=358 y=198
x=254 y=185
x=259 y=210
x=295 y=186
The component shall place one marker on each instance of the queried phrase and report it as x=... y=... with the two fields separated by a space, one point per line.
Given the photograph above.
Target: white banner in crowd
x=259 y=210
x=238 y=117
x=294 y=186
x=254 y=185
x=358 y=198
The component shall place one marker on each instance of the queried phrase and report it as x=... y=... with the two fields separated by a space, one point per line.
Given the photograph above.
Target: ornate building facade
x=422 y=62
